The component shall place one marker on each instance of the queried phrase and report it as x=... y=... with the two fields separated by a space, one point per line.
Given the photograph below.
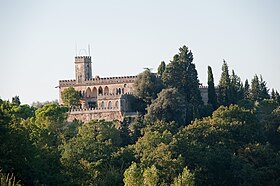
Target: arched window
x=117 y=104
x=106 y=90
x=102 y=104
x=100 y=91
x=88 y=93
x=120 y=90
x=94 y=92
x=110 y=105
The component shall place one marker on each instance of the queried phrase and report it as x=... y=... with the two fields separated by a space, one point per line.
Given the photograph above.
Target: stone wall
x=204 y=93
x=86 y=115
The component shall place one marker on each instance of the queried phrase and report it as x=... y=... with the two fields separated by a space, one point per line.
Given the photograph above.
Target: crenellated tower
x=83 y=69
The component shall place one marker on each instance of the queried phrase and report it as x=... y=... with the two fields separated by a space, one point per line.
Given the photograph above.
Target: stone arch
x=100 y=91
x=106 y=90
x=117 y=104
x=102 y=104
x=94 y=92
x=110 y=104
x=88 y=93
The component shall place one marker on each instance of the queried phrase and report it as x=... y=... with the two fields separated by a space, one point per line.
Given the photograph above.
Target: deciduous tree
x=70 y=97
x=147 y=86
x=169 y=106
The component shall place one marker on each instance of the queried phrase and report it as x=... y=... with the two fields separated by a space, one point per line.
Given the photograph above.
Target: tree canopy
x=70 y=97
x=236 y=143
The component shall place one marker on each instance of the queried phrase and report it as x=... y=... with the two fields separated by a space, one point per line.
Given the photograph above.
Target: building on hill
x=102 y=97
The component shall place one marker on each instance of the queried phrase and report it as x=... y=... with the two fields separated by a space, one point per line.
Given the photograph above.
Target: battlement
x=93 y=110
x=82 y=57
x=202 y=87
x=98 y=80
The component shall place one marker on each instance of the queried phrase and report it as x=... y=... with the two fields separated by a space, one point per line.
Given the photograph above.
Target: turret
x=83 y=68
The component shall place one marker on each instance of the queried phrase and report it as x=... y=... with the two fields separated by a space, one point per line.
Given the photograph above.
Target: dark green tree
x=147 y=86
x=273 y=96
x=224 y=86
x=51 y=117
x=161 y=68
x=209 y=146
x=169 y=106
x=133 y=176
x=181 y=74
x=255 y=94
x=246 y=89
x=186 y=178
x=277 y=97
x=16 y=100
x=70 y=97
x=212 y=96
x=263 y=89
x=153 y=150
x=236 y=91
x=87 y=156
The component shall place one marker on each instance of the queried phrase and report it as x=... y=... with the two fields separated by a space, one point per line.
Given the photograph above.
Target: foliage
x=147 y=85
x=259 y=90
x=236 y=89
x=169 y=106
x=212 y=96
x=86 y=156
x=246 y=89
x=181 y=74
x=16 y=100
x=153 y=150
x=224 y=86
x=186 y=178
x=133 y=176
x=161 y=68
x=234 y=145
x=151 y=176
x=209 y=147
x=70 y=97
x=51 y=116
x=8 y=180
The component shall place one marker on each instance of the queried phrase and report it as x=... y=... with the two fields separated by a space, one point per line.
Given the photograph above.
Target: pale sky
x=37 y=39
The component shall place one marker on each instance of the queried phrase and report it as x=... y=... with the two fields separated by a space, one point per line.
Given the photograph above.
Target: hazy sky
x=37 y=39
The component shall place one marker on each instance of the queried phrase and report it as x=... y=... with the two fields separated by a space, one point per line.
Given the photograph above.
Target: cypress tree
x=277 y=97
x=161 y=68
x=236 y=91
x=263 y=89
x=212 y=96
x=255 y=89
x=273 y=96
x=224 y=86
x=246 y=89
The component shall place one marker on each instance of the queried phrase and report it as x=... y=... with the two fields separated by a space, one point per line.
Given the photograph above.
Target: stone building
x=101 y=97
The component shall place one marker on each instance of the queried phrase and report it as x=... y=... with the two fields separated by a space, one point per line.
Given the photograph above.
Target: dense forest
x=176 y=139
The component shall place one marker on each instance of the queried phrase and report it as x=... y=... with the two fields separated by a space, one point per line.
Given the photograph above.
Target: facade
x=102 y=98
